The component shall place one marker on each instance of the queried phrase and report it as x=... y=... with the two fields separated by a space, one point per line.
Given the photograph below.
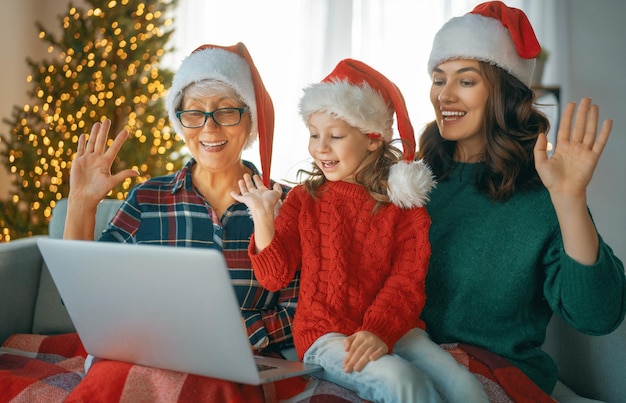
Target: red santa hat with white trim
x=233 y=66
x=366 y=99
x=492 y=32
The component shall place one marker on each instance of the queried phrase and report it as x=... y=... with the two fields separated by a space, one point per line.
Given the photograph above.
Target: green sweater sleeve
x=589 y=298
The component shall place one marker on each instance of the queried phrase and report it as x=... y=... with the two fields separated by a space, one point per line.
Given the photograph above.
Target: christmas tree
x=105 y=64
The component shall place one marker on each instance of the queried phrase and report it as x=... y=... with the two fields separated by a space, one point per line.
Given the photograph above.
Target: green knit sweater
x=498 y=271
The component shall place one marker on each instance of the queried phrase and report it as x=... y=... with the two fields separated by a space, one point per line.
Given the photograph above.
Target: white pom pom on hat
x=492 y=32
x=410 y=183
x=233 y=66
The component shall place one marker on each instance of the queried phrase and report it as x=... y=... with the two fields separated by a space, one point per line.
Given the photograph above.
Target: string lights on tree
x=105 y=64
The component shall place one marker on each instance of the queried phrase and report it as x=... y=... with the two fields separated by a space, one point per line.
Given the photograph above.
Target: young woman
x=358 y=230
x=512 y=239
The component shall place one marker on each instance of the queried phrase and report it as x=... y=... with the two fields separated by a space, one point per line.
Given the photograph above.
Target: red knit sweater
x=359 y=271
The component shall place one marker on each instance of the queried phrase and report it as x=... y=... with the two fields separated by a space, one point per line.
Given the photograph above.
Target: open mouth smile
x=214 y=144
x=328 y=164
x=451 y=115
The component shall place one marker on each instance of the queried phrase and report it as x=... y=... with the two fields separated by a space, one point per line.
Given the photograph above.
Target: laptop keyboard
x=263 y=367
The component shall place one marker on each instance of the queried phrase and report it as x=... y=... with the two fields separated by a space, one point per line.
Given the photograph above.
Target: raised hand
x=568 y=172
x=362 y=347
x=90 y=175
x=262 y=203
x=257 y=196
x=91 y=179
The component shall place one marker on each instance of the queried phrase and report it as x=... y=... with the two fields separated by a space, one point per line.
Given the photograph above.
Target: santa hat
x=233 y=66
x=366 y=99
x=493 y=33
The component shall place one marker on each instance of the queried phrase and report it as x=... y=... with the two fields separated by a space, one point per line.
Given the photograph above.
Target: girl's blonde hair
x=373 y=174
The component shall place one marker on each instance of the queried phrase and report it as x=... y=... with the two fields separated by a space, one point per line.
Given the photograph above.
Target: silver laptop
x=160 y=306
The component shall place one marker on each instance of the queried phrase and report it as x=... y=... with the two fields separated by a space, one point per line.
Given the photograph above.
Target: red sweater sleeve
x=275 y=266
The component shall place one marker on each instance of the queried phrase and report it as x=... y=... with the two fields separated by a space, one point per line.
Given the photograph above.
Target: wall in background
x=596 y=57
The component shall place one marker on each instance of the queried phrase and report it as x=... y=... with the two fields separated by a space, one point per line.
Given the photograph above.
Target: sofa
x=593 y=367
x=29 y=300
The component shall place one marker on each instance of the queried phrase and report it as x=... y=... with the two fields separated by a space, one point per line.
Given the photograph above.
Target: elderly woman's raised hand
x=90 y=175
x=570 y=168
x=91 y=179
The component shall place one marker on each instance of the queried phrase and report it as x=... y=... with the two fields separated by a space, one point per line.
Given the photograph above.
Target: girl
x=357 y=230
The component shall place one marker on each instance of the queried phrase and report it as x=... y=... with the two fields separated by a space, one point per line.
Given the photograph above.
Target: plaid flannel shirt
x=168 y=210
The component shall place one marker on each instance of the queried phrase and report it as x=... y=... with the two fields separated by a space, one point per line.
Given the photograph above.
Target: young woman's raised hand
x=567 y=173
x=578 y=148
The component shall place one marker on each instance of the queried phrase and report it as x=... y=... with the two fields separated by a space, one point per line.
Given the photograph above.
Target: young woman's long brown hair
x=512 y=125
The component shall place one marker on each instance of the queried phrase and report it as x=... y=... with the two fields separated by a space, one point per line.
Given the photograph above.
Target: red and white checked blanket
x=36 y=368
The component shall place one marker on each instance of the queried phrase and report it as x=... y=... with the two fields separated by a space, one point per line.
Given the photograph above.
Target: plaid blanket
x=503 y=381
x=36 y=368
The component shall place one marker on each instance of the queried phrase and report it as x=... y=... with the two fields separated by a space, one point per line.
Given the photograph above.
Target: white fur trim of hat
x=216 y=64
x=359 y=105
x=477 y=37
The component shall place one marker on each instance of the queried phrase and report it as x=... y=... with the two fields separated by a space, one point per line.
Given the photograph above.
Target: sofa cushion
x=590 y=365
x=106 y=210
x=20 y=265
x=50 y=316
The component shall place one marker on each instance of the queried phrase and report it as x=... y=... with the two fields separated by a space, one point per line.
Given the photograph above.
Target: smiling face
x=459 y=95
x=337 y=148
x=216 y=148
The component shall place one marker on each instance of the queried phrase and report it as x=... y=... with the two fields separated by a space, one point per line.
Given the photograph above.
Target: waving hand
x=568 y=172
x=578 y=149
x=90 y=176
x=91 y=179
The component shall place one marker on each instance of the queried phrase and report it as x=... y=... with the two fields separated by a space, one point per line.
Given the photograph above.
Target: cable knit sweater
x=359 y=271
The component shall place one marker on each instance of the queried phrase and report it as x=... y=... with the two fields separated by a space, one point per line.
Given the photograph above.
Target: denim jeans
x=418 y=370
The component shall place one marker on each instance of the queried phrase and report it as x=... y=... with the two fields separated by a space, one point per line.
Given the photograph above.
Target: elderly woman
x=220 y=106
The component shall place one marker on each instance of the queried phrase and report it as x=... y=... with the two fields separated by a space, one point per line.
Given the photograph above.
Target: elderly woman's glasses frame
x=193 y=119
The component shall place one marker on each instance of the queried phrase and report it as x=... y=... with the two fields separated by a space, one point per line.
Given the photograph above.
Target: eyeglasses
x=223 y=117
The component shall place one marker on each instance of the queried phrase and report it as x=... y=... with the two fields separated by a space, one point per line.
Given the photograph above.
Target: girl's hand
x=260 y=200
x=262 y=203
x=90 y=175
x=362 y=347
x=568 y=172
